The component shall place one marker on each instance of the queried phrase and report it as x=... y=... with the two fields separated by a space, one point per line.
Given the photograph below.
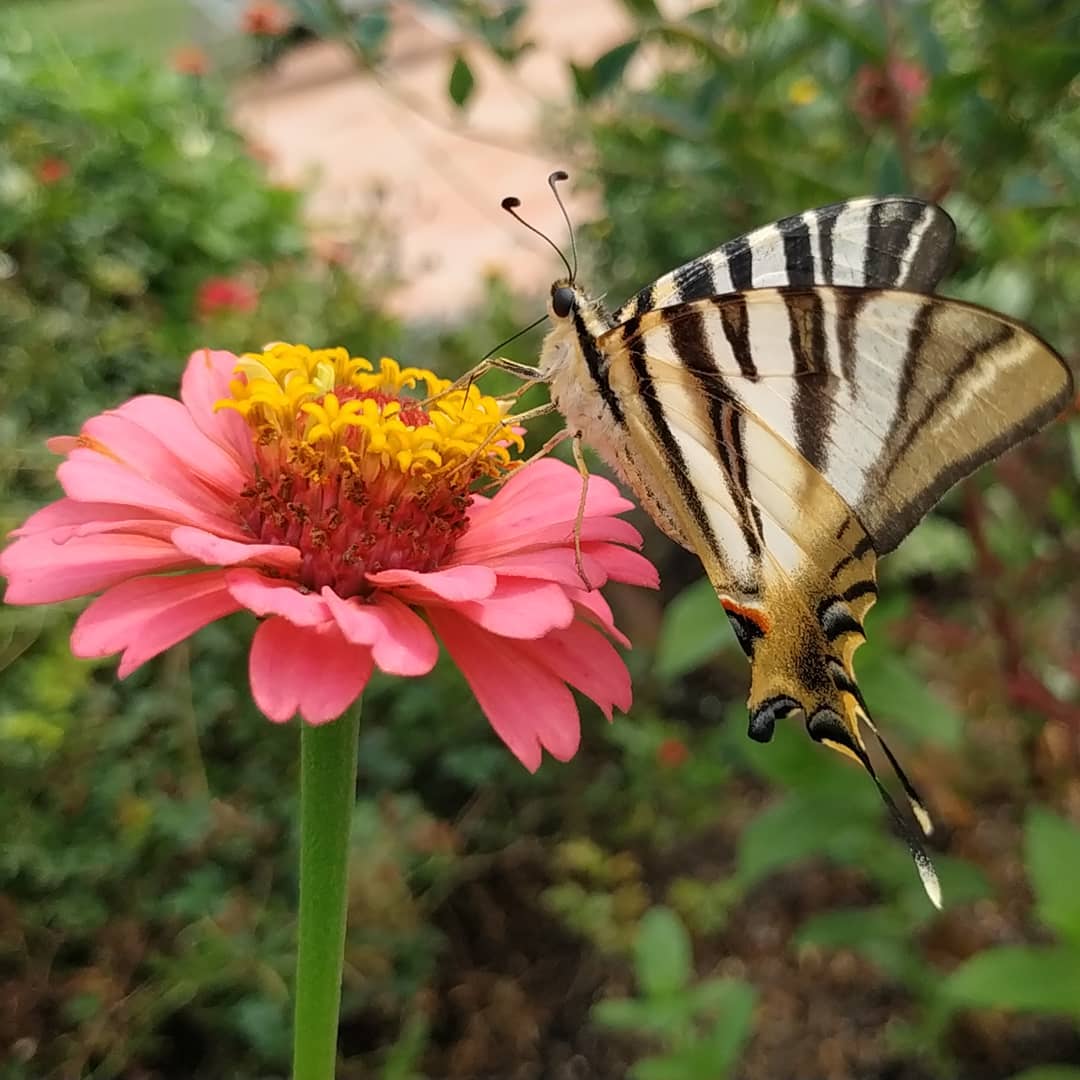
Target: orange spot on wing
x=758 y=618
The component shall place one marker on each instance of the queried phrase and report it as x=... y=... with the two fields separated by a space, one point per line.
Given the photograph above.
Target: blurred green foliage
x=146 y=867
x=702 y=1025
x=104 y=296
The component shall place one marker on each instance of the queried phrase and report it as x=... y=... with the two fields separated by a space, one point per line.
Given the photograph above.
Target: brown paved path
x=319 y=118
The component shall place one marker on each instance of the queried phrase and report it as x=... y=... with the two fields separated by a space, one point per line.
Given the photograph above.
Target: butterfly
x=788 y=407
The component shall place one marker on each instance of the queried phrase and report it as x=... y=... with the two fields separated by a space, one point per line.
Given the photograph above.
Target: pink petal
x=479 y=545
x=521 y=608
x=543 y=494
x=117 y=435
x=621 y=564
x=581 y=656
x=145 y=616
x=314 y=672
x=550 y=489
x=557 y=565
x=206 y=382
x=41 y=572
x=169 y=417
x=67 y=517
x=273 y=596
x=454 y=584
x=529 y=708
x=88 y=476
x=215 y=551
x=402 y=643
x=597 y=610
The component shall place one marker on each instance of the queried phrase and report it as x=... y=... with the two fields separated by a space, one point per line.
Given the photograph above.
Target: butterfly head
x=564 y=299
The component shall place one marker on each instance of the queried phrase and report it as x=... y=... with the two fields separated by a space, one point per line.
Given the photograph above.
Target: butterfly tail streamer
x=923 y=863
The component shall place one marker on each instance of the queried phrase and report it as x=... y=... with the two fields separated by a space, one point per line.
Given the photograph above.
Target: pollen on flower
x=356 y=472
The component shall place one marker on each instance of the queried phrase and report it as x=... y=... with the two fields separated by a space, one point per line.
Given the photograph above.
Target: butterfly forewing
x=890 y=242
x=891 y=396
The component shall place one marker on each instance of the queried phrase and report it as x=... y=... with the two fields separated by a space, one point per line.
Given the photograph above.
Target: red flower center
x=357 y=475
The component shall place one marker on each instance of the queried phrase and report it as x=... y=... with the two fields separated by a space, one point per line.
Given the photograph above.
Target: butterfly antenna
x=510 y=205
x=554 y=179
x=513 y=337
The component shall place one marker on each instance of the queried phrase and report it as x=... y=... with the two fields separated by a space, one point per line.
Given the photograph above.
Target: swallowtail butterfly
x=788 y=407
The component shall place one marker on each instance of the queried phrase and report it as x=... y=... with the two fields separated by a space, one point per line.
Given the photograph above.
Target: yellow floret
x=304 y=399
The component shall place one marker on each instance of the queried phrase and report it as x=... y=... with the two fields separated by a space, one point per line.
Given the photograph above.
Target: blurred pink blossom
x=225 y=294
x=890 y=92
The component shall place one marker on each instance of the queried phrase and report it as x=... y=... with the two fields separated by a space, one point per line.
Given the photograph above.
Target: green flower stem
x=327 y=794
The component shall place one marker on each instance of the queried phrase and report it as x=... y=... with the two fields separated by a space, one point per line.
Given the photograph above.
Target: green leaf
x=643 y=9
x=694 y=629
x=937 y=546
x=1052 y=853
x=1021 y=977
x=622 y=1014
x=786 y=833
x=715 y=1055
x=879 y=934
x=605 y=72
x=895 y=689
x=662 y=957
x=583 y=81
x=462 y=82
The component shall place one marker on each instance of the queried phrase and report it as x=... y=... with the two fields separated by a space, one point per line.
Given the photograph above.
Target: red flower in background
x=52 y=170
x=190 y=60
x=672 y=753
x=225 y=294
x=890 y=92
x=266 y=18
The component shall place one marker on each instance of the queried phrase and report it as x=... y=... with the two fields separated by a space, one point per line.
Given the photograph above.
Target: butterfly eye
x=562 y=301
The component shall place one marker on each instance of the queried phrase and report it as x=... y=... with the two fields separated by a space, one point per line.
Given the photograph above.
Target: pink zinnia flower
x=311 y=490
x=225 y=294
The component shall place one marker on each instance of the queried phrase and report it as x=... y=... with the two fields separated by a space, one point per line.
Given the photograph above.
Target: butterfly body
x=788 y=407
x=597 y=416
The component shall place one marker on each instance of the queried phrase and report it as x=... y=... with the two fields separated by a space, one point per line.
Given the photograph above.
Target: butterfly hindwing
x=889 y=242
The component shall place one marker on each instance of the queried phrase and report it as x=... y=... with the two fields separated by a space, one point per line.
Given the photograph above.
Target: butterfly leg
x=515 y=419
x=583 y=469
x=521 y=391
x=492 y=363
x=559 y=437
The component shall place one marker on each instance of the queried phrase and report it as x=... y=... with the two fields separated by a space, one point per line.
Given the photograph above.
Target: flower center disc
x=358 y=475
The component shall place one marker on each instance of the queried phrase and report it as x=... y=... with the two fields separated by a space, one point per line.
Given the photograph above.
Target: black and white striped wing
x=893 y=242
x=898 y=396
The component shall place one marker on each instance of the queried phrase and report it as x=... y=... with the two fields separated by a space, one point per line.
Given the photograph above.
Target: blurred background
x=677 y=903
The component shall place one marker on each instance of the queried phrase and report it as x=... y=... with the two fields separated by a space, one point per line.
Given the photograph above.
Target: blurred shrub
x=762 y=110
x=144 y=903
x=136 y=225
